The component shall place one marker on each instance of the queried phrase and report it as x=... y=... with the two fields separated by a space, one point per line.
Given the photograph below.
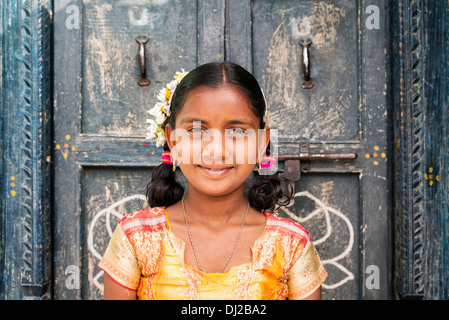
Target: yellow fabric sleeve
x=306 y=275
x=119 y=261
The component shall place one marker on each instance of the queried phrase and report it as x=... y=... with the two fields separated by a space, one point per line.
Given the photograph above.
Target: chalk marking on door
x=327 y=210
x=107 y=212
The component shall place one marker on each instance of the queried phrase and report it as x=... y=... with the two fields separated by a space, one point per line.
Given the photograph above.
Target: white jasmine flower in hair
x=159 y=117
x=172 y=85
x=157 y=107
x=167 y=110
x=160 y=139
x=153 y=111
x=150 y=136
x=179 y=75
x=153 y=125
x=162 y=95
x=152 y=129
x=151 y=122
x=161 y=110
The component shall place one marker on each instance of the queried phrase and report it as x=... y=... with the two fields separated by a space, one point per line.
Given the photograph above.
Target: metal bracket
x=297 y=163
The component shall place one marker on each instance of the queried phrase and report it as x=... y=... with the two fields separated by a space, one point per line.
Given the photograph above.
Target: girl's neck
x=215 y=210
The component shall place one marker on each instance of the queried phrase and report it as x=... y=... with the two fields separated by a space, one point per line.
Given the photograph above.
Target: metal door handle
x=297 y=163
x=307 y=82
x=142 y=40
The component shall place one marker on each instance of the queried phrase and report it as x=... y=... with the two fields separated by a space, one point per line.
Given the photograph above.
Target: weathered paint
x=395 y=119
x=421 y=117
x=107 y=144
x=25 y=224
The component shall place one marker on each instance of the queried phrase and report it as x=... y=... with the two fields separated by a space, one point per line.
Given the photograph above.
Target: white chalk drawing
x=322 y=208
x=93 y=225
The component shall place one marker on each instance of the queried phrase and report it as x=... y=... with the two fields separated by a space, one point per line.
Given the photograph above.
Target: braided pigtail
x=163 y=189
x=269 y=191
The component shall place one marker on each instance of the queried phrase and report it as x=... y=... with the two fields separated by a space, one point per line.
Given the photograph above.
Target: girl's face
x=218 y=140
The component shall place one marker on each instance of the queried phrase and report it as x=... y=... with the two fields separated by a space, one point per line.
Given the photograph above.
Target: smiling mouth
x=215 y=172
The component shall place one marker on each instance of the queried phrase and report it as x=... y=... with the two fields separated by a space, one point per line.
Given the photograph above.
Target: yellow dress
x=145 y=255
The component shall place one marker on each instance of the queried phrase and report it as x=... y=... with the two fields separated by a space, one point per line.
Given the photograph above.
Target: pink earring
x=267 y=162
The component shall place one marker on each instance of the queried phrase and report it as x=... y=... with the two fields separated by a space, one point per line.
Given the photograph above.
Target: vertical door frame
x=419 y=92
x=26 y=150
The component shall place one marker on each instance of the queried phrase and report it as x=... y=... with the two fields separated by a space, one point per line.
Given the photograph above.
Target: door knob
x=307 y=82
x=297 y=163
x=142 y=40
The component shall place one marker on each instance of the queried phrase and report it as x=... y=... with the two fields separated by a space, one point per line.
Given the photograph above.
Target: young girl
x=217 y=240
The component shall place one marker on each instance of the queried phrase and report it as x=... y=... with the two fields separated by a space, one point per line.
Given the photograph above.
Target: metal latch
x=297 y=163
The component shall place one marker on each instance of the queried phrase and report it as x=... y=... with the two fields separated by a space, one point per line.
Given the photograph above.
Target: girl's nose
x=216 y=150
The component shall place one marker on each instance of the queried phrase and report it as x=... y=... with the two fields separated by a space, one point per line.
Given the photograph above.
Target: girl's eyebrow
x=192 y=119
x=239 y=122
x=189 y=120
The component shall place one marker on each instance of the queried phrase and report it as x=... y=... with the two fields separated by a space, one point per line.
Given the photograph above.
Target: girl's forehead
x=216 y=104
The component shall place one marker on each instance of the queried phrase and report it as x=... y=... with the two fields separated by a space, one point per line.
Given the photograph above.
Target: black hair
x=266 y=191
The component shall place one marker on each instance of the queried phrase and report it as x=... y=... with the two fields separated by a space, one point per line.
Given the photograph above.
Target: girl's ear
x=264 y=139
x=168 y=131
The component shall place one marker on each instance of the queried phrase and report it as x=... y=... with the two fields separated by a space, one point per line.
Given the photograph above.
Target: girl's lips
x=215 y=172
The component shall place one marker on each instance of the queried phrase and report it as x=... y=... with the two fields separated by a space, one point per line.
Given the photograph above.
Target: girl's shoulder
x=287 y=227
x=147 y=219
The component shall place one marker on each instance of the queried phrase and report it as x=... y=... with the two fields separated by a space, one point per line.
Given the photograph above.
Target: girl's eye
x=235 y=131
x=198 y=130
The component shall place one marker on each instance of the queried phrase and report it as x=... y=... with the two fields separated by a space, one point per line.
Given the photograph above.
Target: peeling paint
x=309 y=113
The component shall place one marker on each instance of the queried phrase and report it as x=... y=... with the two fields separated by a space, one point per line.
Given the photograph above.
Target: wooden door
x=344 y=203
x=102 y=162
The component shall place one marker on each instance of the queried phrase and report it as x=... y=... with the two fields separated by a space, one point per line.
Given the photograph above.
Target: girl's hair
x=264 y=193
